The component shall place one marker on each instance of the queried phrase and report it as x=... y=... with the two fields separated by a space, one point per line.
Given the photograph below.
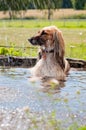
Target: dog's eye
x=43 y=33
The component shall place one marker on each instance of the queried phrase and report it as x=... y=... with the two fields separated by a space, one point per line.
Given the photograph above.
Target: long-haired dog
x=52 y=50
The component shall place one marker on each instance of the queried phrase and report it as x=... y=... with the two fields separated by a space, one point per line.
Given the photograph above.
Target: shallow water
x=67 y=101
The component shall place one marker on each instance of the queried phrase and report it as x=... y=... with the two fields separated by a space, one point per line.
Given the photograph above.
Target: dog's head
x=50 y=38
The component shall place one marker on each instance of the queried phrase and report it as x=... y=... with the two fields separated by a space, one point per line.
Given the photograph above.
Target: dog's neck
x=46 y=52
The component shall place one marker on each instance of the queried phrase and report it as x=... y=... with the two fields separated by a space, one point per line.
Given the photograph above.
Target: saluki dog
x=52 y=50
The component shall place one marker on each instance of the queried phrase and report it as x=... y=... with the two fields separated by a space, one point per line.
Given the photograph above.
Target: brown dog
x=52 y=62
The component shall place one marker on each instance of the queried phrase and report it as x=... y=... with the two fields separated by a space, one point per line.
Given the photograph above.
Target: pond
x=66 y=102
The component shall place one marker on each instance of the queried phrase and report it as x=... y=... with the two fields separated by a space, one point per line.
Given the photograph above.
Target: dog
x=51 y=61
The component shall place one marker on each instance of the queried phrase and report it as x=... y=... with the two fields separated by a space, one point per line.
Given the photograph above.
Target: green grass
x=76 y=51
x=41 y=23
x=82 y=128
x=16 y=33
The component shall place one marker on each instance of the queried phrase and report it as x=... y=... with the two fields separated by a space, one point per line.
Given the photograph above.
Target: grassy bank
x=42 y=23
x=15 y=33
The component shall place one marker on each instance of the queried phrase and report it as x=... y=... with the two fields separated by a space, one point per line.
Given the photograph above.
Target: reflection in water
x=66 y=99
x=51 y=85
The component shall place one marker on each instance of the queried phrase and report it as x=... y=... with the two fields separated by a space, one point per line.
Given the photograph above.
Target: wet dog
x=51 y=56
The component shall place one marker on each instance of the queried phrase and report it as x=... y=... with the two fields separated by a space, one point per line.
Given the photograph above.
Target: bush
x=3 y=51
x=10 y=51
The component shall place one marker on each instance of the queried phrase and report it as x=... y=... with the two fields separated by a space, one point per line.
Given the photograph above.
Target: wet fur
x=50 y=64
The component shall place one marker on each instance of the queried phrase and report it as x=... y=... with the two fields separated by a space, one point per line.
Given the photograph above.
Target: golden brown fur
x=52 y=50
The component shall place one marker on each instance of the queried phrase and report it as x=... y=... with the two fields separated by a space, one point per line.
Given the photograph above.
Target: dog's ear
x=59 y=48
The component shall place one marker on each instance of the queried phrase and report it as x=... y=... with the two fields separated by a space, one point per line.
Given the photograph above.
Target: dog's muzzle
x=36 y=41
x=32 y=41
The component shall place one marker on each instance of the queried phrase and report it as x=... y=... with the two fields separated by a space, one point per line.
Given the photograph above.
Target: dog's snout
x=37 y=40
x=30 y=40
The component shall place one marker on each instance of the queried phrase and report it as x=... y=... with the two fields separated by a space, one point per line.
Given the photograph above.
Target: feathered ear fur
x=59 y=48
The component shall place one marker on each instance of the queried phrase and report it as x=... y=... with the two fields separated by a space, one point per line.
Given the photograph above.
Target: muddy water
x=66 y=102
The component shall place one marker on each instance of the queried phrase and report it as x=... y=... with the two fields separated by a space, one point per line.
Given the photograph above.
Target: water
x=67 y=101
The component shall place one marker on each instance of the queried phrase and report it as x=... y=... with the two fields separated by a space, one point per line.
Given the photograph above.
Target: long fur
x=59 y=49
x=51 y=63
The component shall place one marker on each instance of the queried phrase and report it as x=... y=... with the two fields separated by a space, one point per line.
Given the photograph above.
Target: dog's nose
x=29 y=40
x=32 y=41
